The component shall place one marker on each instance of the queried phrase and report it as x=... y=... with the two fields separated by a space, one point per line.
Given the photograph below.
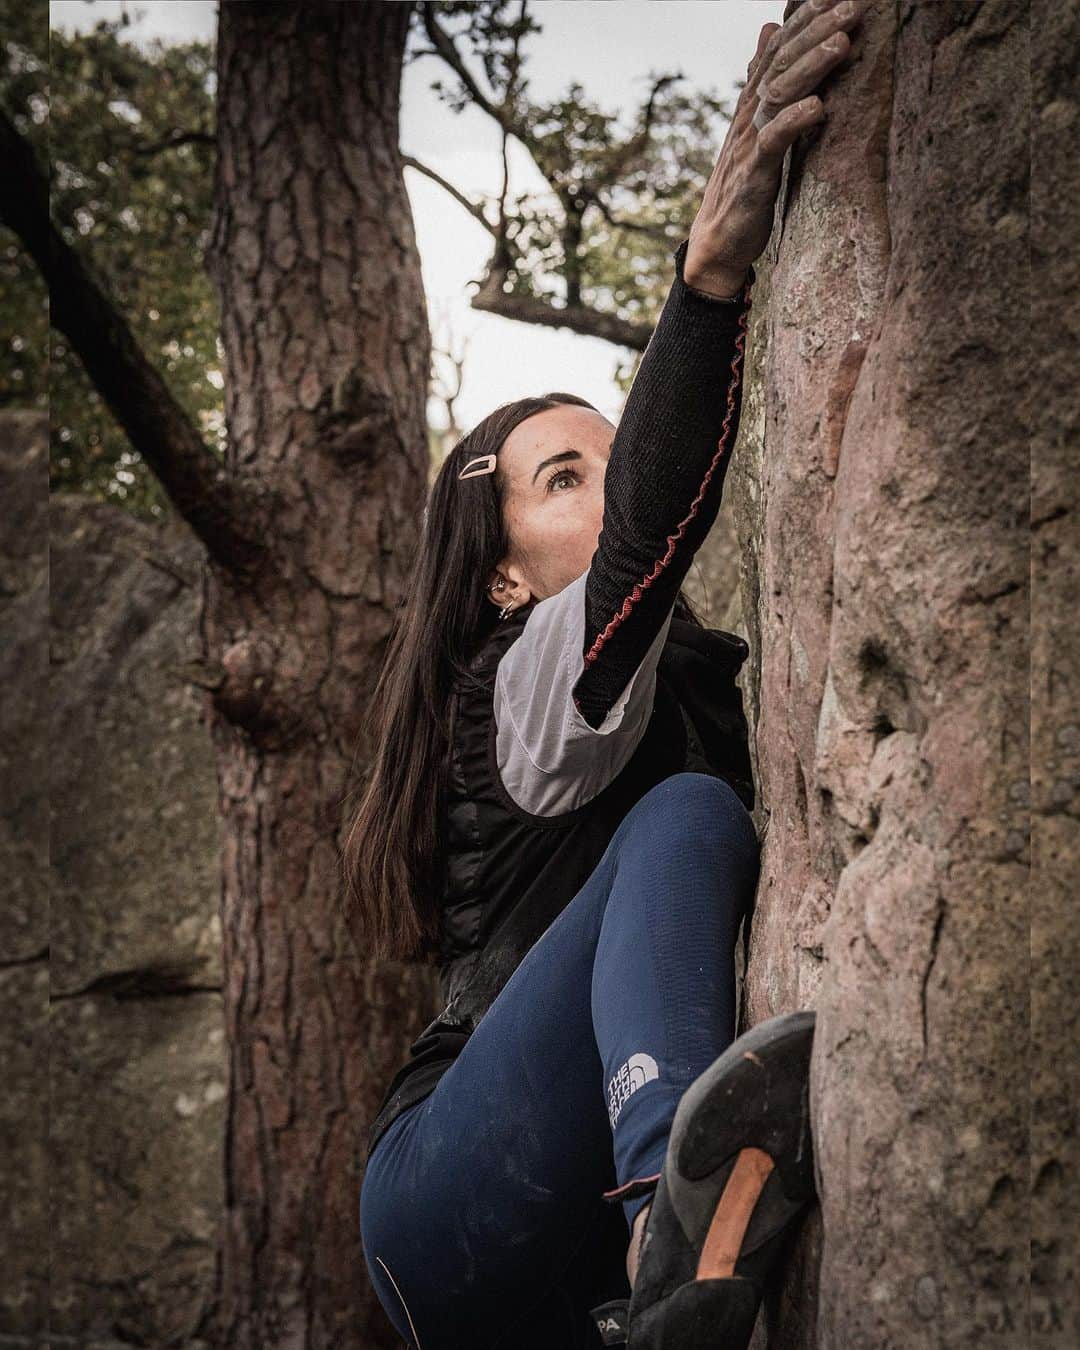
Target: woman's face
x=553 y=467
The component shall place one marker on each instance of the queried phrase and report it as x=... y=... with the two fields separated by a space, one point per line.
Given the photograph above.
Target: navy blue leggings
x=482 y=1209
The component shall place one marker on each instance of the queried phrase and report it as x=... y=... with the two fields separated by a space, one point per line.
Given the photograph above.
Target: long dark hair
x=392 y=852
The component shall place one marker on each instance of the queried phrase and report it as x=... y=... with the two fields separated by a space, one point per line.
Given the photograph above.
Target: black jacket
x=508 y=874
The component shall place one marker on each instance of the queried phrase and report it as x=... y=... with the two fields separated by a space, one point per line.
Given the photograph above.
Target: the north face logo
x=636 y=1072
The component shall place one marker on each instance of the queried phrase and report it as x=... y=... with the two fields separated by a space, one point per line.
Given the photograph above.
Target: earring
x=507 y=609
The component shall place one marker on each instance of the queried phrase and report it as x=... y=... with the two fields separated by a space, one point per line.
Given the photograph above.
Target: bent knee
x=703 y=809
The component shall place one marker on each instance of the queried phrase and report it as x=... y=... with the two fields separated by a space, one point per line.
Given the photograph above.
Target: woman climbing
x=558 y=811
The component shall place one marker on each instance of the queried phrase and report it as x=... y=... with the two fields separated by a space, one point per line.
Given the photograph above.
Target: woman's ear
x=507 y=586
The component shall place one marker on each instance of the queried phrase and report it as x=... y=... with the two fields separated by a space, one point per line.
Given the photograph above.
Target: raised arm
x=664 y=481
x=670 y=455
x=573 y=693
x=596 y=643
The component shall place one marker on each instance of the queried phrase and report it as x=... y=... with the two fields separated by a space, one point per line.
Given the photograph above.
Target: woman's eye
x=561 y=473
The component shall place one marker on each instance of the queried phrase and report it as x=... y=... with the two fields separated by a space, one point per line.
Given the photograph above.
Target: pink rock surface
x=882 y=492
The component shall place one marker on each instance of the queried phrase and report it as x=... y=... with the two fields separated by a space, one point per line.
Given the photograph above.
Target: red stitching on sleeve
x=647 y=580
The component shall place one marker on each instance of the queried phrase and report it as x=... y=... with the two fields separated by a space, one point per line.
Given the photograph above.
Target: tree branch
x=657 y=232
x=474 y=208
x=175 y=139
x=445 y=46
x=157 y=426
x=637 y=143
x=492 y=299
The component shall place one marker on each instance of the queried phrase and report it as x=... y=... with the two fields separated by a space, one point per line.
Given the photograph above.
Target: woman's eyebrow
x=555 y=459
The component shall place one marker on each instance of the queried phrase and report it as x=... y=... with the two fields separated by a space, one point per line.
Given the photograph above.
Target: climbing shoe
x=738 y=1175
x=611 y=1321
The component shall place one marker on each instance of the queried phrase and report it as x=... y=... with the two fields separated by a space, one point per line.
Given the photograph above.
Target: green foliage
x=128 y=133
x=24 y=302
x=621 y=196
x=131 y=150
x=135 y=198
x=494 y=30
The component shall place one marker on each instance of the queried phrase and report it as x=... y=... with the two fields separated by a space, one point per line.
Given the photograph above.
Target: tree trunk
x=882 y=497
x=327 y=351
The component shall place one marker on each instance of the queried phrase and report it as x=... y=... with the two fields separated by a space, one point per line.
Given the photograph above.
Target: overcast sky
x=610 y=47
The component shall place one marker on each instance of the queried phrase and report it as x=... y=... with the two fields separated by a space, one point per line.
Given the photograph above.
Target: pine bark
x=326 y=349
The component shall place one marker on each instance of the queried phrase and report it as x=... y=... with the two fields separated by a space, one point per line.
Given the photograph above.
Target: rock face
x=881 y=488
x=712 y=583
x=1054 y=412
x=137 y=1037
x=24 y=856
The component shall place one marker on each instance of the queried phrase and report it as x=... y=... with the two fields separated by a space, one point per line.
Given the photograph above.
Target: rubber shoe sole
x=739 y=1172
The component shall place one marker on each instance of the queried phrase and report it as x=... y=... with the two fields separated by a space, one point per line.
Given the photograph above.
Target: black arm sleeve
x=664 y=481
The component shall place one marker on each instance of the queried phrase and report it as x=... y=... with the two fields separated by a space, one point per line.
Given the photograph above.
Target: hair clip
x=487 y=463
